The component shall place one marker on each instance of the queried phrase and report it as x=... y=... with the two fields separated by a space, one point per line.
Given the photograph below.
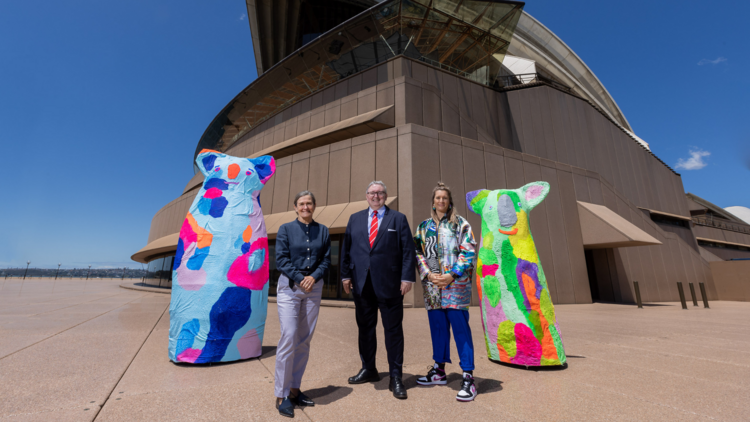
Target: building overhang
x=335 y=217
x=723 y=242
x=160 y=246
x=363 y=124
x=603 y=228
x=666 y=214
x=714 y=208
x=370 y=122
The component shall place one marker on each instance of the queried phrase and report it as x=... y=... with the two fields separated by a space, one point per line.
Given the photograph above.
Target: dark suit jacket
x=391 y=259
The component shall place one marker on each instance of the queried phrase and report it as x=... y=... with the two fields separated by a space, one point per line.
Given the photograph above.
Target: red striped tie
x=373 y=228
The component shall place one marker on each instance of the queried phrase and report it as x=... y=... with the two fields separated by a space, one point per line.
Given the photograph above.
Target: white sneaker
x=435 y=376
x=468 y=390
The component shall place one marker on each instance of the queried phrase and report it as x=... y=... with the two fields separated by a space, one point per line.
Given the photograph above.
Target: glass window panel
x=456 y=35
x=330 y=282
x=273 y=272
x=154 y=270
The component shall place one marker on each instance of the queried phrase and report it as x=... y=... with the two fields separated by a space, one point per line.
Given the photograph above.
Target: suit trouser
x=392 y=315
x=298 y=315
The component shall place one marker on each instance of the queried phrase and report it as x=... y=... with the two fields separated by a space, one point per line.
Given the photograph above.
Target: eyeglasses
x=373 y=194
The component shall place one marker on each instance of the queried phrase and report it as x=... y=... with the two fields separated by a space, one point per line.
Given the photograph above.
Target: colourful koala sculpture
x=220 y=274
x=517 y=313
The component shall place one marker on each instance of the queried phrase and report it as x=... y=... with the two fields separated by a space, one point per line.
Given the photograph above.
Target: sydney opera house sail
x=478 y=95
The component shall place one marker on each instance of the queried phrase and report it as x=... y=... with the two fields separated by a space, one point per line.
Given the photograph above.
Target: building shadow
x=645 y=305
x=327 y=395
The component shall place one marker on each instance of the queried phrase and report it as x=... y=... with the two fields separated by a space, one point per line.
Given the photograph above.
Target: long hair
x=451 y=214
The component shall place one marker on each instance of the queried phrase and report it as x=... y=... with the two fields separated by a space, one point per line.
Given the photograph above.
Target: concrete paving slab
x=95 y=342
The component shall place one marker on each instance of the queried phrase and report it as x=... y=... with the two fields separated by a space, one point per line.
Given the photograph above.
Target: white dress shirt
x=371 y=214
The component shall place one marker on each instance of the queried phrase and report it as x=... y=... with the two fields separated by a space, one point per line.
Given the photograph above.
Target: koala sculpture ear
x=475 y=200
x=206 y=159
x=534 y=193
x=265 y=166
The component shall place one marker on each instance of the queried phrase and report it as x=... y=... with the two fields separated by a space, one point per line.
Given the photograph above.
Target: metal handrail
x=720 y=224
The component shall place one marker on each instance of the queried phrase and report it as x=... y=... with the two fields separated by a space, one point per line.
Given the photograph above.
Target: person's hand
x=347 y=286
x=307 y=283
x=443 y=280
x=405 y=287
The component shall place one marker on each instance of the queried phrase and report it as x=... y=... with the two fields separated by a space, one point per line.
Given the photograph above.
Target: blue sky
x=102 y=104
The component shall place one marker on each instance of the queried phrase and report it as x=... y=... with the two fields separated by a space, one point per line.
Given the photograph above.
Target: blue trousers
x=441 y=321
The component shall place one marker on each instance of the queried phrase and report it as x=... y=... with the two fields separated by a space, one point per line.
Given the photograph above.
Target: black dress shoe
x=397 y=386
x=286 y=408
x=302 y=400
x=365 y=375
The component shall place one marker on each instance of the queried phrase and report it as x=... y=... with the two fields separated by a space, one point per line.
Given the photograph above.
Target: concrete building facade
x=412 y=93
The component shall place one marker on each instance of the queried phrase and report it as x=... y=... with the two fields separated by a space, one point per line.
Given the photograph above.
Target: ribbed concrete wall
x=471 y=137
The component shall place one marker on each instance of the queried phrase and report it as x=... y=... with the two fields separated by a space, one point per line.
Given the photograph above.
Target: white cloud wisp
x=695 y=162
x=243 y=16
x=715 y=61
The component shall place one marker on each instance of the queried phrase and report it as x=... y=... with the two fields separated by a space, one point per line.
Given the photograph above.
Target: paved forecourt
x=90 y=350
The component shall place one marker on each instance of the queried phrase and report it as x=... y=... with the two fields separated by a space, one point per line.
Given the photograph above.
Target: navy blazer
x=391 y=259
x=303 y=249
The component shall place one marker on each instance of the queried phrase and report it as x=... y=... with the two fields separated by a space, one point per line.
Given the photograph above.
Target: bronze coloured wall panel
x=562 y=291
x=362 y=168
x=318 y=179
x=452 y=173
x=283 y=178
x=540 y=227
x=300 y=174
x=574 y=237
x=339 y=173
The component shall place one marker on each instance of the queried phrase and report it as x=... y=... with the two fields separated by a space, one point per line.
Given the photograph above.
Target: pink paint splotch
x=189 y=355
x=528 y=349
x=495 y=316
x=249 y=345
x=239 y=272
x=489 y=270
x=533 y=191
x=187 y=234
x=190 y=279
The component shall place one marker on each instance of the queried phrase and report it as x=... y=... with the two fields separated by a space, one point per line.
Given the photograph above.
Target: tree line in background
x=74 y=272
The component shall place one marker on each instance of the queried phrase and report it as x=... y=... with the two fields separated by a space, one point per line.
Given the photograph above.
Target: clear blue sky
x=102 y=104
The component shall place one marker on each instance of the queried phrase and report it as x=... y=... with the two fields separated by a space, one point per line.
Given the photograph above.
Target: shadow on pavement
x=267 y=351
x=533 y=368
x=328 y=395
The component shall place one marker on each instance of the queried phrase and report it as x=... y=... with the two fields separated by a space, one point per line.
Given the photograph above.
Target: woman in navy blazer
x=303 y=255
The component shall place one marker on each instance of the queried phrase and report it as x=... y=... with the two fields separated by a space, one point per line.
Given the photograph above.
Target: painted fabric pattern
x=220 y=275
x=518 y=316
x=454 y=246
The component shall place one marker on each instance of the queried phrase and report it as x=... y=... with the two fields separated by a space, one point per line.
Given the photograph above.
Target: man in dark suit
x=378 y=261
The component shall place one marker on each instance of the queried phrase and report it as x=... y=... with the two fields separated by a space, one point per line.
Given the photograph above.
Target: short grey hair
x=377 y=182
x=304 y=193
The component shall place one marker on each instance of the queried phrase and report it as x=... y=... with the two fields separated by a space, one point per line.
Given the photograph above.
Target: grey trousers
x=298 y=315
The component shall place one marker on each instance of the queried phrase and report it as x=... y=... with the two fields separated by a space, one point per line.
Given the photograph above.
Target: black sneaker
x=436 y=376
x=468 y=390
